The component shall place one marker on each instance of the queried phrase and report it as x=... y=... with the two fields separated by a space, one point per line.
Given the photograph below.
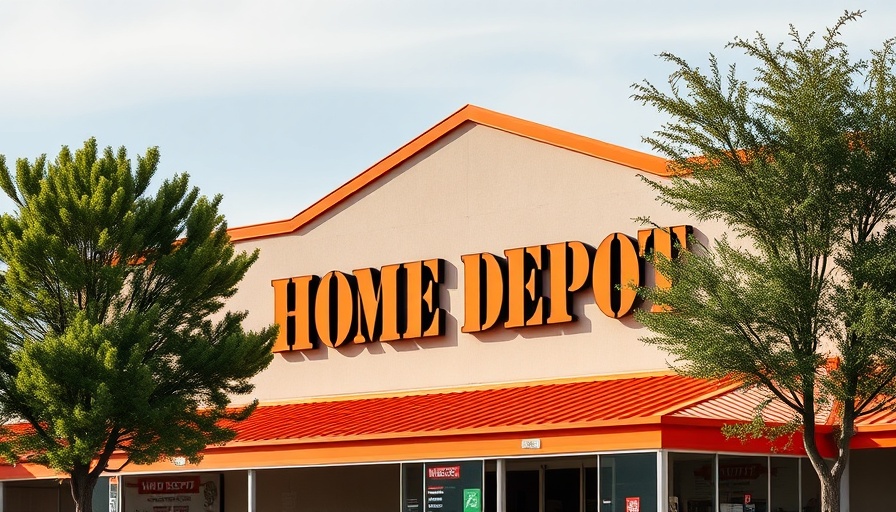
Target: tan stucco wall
x=477 y=190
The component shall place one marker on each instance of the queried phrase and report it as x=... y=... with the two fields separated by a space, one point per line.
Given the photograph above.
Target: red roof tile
x=557 y=405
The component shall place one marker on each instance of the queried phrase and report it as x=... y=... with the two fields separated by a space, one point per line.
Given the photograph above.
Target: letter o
x=334 y=308
x=616 y=267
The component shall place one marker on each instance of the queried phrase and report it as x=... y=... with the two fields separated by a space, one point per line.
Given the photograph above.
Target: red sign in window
x=168 y=485
x=632 y=504
x=444 y=472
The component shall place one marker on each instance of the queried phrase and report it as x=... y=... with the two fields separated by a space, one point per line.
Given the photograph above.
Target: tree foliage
x=799 y=160
x=112 y=335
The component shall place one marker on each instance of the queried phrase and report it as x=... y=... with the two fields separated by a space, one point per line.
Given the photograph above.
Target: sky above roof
x=276 y=103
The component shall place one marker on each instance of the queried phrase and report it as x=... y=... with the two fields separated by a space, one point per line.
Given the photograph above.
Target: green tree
x=799 y=160
x=112 y=335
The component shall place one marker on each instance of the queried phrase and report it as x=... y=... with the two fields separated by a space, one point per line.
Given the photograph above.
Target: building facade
x=455 y=336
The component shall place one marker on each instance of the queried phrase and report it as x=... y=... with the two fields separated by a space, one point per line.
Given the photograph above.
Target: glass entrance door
x=562 y=490
x=523 y=491
x=567 y=484
x=608 y=500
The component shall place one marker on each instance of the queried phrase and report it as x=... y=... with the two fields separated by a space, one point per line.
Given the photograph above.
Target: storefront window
x=743 y=484
x=562 y=490
x=555 y=484
x=522 y=491
x=692 y=482
x=449 y=486
x=628 y=482
x=412 y=488
x=591 y=489
x=811 y=488
x=785 y=484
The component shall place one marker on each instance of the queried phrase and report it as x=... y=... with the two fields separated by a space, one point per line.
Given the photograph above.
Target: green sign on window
x=472 y=500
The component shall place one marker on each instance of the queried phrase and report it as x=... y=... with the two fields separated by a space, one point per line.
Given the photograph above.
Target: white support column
x=116 y=484
x=541 y=470
x=2 y=495
x=501 y=484
x=715 y=477
x=662 y=480
x=844 y=489
x=250 y=481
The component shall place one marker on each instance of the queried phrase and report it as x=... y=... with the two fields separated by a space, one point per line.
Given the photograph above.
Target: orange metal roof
x=628 y=157
x=877 y=430
x=616 y=401
x=739 y=405
x=882 y=418
x=648 y=411
x=602 y=414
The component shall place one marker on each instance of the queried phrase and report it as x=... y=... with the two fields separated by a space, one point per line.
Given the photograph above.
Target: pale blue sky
x=276 y=103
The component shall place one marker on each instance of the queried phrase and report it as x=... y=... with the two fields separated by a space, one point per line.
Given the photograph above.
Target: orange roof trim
x=470 y=113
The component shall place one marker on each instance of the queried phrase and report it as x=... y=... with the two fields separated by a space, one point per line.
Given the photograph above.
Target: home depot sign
x=401 y=301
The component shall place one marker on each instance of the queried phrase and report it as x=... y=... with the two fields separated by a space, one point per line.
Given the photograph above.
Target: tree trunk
x=830 y=494
x=829 y=473
x=82 y=485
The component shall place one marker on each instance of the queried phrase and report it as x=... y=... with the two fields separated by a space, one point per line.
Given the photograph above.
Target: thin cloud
x=72 y=57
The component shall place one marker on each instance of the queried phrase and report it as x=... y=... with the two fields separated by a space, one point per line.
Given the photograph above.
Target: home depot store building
x=452 y=340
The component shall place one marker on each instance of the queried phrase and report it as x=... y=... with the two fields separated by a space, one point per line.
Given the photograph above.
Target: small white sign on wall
x=531 y=444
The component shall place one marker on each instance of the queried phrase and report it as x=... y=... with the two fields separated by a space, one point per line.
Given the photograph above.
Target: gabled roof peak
x=470 y=113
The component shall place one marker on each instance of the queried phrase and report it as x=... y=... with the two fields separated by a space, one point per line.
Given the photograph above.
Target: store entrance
x=567 y=484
